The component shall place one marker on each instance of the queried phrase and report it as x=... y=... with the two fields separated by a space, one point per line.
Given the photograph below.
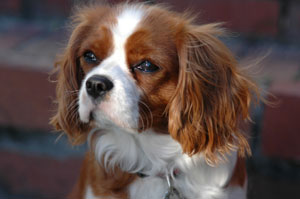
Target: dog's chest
x=158 y=155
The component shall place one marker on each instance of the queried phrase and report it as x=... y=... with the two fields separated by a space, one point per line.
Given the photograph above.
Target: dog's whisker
x=71 y=93
x=72 y=105
x=73 y=110
x=141 y=116
x=150 y=112
x=74 y=115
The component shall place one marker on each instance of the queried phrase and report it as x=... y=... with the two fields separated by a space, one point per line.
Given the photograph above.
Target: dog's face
x=131 y=70
x=137 y=67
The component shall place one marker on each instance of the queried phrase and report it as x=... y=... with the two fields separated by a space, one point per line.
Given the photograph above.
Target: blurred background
x=35 y=164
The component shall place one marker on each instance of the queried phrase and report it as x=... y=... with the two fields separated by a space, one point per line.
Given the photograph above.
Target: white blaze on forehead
x=127 y=21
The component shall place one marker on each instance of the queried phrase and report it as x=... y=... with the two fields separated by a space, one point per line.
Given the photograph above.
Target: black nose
x=98 y=85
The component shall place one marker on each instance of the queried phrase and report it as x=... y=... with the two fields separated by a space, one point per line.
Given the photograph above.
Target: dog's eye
x=146 y=67
x=90 y=57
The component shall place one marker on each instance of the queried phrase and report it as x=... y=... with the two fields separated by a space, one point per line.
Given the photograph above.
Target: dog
x=159 y=100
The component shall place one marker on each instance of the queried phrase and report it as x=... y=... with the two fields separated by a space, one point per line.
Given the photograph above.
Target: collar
x=171 y=192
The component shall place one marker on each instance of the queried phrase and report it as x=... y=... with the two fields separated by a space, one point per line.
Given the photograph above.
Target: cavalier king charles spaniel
x=159 y=100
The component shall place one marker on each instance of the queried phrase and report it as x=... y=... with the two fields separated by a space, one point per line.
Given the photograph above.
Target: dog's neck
x=148 y=152
x=151 y=153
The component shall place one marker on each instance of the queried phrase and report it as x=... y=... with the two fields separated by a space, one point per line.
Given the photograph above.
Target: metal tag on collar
x=172 y=193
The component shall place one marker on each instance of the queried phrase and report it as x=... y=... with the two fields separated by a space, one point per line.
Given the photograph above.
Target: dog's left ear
x=211 y=97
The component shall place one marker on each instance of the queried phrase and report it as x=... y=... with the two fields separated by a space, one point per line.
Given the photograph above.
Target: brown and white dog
x=159 y=99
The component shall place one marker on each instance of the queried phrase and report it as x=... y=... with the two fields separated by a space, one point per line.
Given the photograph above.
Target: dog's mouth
x=102 y=118
x=108 y=112
x=91 y=117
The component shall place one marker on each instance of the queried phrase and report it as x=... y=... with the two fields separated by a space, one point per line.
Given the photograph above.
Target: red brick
x=26 y=98
x=281 y=124
x=38 y=176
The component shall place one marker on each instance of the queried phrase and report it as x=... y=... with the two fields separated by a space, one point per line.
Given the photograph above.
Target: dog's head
x=141 y=67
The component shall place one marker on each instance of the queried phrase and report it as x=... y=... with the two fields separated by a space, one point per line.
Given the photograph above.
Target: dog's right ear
x=70 y=73
x=69 y=78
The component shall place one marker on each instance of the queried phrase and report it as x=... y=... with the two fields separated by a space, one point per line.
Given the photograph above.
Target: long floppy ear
x=70 y=74
x=211 y=97
x=69 y=79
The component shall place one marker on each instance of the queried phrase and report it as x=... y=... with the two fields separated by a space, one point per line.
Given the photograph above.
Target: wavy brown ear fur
x=212 y=95
x=70 y=74
x=69 y=80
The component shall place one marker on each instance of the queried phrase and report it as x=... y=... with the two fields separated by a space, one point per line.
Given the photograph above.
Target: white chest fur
x=153 y=153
